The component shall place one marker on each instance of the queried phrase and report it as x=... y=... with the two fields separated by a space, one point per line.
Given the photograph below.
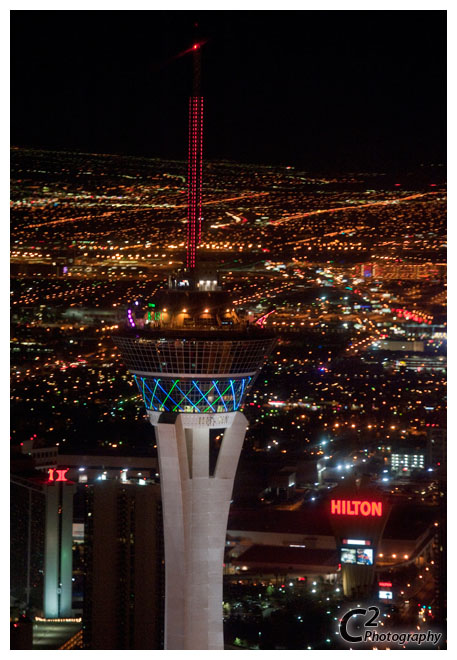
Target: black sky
x=319 y=89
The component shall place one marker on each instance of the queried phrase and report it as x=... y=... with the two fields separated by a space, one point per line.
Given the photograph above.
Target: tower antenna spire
x=195 y=161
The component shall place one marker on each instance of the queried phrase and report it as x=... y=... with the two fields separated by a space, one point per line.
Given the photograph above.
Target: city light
x=210 y=336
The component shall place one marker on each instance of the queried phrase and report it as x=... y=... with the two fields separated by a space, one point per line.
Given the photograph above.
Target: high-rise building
x=123 y=599
x=193 y=360
x=58 y=557
x=41 y=563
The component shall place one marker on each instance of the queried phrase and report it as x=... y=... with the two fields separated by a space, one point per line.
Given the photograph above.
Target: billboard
x=348 y=556
x=387 y=595
x=365 y=556
x=360 y=556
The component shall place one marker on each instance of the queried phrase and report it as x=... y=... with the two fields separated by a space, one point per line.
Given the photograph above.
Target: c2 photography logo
x=355 y=630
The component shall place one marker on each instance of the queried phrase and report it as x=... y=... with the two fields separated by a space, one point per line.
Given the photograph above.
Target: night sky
x=323 y=90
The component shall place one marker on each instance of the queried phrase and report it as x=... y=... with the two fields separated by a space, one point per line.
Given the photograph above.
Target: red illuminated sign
x=60 y=474
x=385 y=584
x=355 y=508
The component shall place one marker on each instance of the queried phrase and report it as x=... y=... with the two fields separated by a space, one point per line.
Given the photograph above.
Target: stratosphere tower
x=193 y=360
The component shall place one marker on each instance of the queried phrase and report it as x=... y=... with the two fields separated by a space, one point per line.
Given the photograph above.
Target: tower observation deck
x=194 y=360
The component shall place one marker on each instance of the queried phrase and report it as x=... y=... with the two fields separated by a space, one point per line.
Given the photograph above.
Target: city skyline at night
x=228 y=330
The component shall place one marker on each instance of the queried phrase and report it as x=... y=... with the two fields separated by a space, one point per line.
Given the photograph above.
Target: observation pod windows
x=193 y=356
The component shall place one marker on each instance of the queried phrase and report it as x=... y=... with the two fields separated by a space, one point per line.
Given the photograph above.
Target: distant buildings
x=70 y=285
x=58 y=564
x=407 y=460
x=403 y=271
x=426 y=363
x=270 y=543
x=400 y=345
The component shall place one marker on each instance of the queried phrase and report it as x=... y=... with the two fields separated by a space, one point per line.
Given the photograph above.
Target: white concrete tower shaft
x=195 y=512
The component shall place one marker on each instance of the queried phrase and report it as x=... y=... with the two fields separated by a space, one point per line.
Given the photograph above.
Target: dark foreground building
x=123 y=600
x=28 y=510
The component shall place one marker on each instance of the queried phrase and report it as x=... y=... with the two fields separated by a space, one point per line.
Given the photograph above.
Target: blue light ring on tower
x=153 y=393
x=195 y=395
x=234 y=397
x=155 y=387
x=149 y=402
x=242 y=389
x=167 y=395
x=204 y=396
x=184 y=397
x=220 y=396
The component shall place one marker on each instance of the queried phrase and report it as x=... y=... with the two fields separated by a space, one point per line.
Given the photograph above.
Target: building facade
x=123 y=591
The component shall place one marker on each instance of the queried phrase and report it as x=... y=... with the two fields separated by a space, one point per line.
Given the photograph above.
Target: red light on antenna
x=195 y=46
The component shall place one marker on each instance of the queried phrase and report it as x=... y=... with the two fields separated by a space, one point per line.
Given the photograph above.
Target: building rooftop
x=273 y=555
x=306 y=521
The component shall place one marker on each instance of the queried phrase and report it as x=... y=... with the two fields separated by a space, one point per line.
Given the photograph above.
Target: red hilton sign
x=355 y=508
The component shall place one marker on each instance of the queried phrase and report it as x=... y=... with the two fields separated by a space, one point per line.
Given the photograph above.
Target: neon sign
x=61 y=474
x=355 y=508
x=130 y=318
x=384 y=584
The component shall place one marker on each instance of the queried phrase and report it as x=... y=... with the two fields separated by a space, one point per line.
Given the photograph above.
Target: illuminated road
x=385 y=202
x=332 y=233
x=297 y=216
x=78 y=219
x=225 y=199
x=83 y=218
